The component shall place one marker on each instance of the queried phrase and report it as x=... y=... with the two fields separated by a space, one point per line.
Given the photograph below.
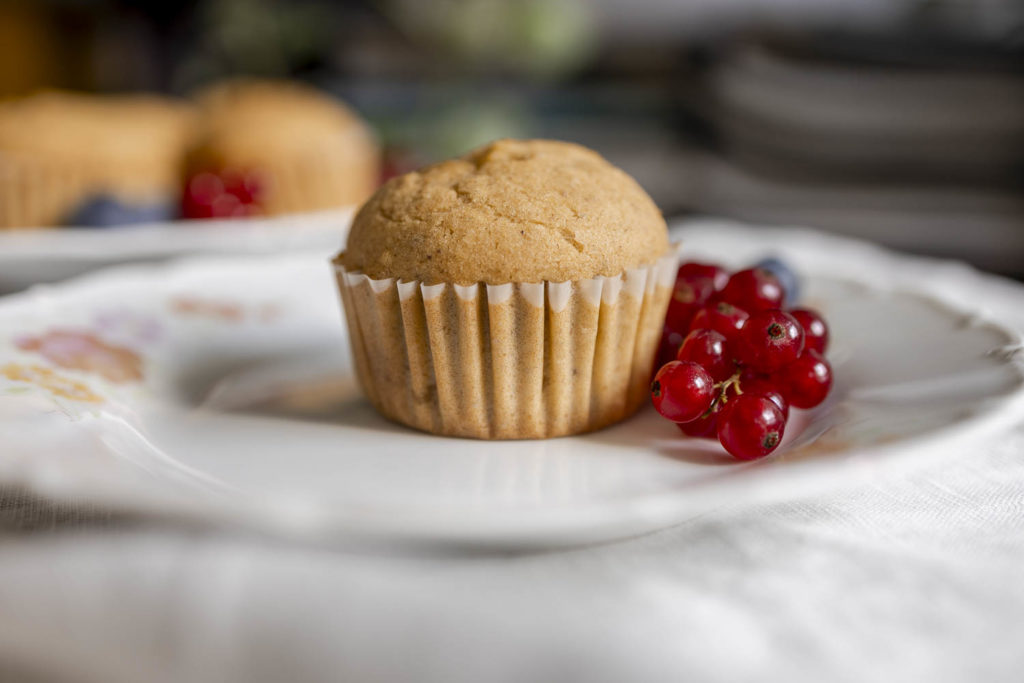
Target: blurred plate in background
x=31 y=256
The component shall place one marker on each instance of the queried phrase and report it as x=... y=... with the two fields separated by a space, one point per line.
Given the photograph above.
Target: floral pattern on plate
x=58 y=386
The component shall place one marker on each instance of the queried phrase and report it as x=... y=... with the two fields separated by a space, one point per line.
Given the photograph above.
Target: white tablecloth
x=919 y=578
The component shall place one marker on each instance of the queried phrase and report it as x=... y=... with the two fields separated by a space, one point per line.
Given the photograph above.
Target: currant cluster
x=224 y=194
x=734 y=357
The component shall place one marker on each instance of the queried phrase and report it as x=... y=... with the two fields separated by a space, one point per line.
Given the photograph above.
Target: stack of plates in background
x=911 y=152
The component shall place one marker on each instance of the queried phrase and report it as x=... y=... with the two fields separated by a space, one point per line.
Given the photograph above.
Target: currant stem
x=723 y=387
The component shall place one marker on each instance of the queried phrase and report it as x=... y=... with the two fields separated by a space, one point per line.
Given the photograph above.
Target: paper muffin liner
x=510 y=361
x=37 y=193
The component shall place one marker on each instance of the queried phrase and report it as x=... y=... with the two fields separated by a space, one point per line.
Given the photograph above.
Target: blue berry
x=101 y=211
x=789 y=279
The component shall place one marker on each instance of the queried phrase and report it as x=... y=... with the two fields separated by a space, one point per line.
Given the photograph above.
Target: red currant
x=815 y=329
x=228 y=194
x=246 y=186
x=704 y=427
x=717 y=275
x=769 y=340
x=750 y=427
x=682 y=391
x=200 y=192
x=687 y=299
x=760 y=385
x=708 y=349
x=753 y=289
x=667 y=348
x=806 y=381
x=777 y=398
x=722 y=317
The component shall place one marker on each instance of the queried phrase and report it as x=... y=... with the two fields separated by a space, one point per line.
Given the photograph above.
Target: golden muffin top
x=103 y=128
x=511 y=211
x=263 y=123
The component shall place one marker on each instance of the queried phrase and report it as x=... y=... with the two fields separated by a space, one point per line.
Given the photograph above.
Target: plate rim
x=214 y=236
x=1001 y=412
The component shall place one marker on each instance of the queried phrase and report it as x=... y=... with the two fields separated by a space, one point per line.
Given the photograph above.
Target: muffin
x=308 y=150
x=58 y=149
x=517 y=292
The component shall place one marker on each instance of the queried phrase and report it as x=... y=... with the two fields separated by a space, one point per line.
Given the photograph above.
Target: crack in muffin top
x=511 y=211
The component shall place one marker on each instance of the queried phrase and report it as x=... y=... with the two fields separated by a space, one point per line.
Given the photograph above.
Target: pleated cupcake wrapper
x=36 y=193
x=511 y=361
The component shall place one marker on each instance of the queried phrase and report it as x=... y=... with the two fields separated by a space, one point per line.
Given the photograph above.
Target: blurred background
x=899 y=121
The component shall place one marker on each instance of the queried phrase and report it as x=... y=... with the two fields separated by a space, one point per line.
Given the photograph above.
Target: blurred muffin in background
x=277 y=147
x=70 y=158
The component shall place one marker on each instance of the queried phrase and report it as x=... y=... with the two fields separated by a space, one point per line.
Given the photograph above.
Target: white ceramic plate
x=30 y=256
x=220 y=390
